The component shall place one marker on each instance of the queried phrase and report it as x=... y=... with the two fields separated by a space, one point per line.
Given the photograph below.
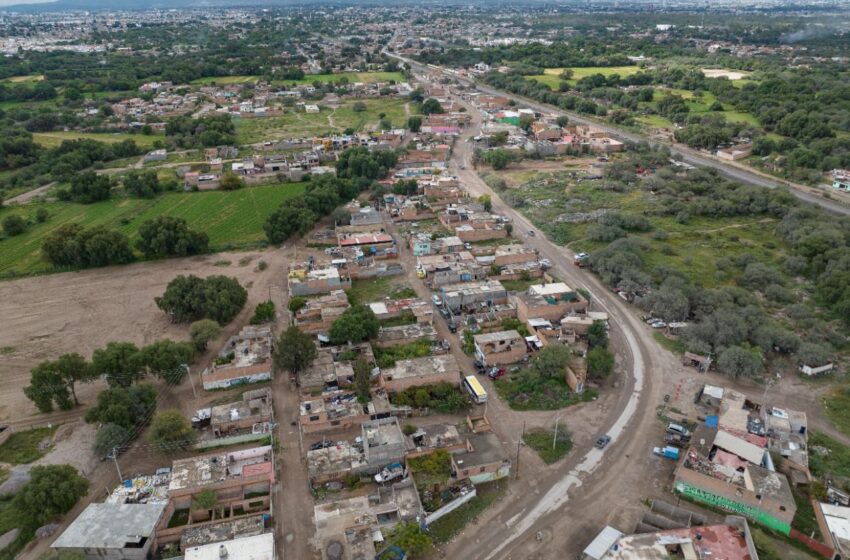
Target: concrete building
x=306 y=281
x=404 y=334
x=420 y=371
x=319 y=313
x=549 y=301
x=513 y=254
x=332 y=369
x=499 y=348
x=258 y=547
x=112 y=531
x=383 y=442
x=427 y=439
x=484 y=459
x=254 y=408
x=472 y=295
x=325 y=414
x=837 y=530
x=335 y=461
x=245 y=358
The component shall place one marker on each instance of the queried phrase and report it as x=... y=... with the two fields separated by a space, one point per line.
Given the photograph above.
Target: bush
x=109 y=437
x=296 y=303
x=600 y=362
x=167 y=236
x=443 y=398
x=72 y=246
x=41 y=215
x=357 y=324
x=201 y=332
x=14 y=225
x=170 y=431
x=51 y=491
x=263 y=313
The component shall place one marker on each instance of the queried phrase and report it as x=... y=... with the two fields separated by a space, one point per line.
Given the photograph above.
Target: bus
x=474 y=388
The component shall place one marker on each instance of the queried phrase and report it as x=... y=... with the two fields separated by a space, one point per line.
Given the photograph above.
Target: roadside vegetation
x=550 y=446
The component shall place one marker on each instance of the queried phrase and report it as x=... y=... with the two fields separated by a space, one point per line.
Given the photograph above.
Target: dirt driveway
x=44 y=317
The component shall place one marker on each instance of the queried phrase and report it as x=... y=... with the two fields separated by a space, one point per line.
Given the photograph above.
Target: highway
x=731 y=170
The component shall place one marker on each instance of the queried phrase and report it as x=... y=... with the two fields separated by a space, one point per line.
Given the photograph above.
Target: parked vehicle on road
x=602 y=441
x=673 y=428
x=668 y=452
x=496 y=372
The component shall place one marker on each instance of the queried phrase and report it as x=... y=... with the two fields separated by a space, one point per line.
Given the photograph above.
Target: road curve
x=692 y=157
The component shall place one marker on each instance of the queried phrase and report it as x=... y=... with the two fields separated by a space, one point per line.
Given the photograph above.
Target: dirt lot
x=44 y=317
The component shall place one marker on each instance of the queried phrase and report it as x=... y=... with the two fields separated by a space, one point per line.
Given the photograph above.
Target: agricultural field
x=697 y=104
x=31 y=79
x=550 y=76
x=53 y=139
x=231 y=219
x=299 y=124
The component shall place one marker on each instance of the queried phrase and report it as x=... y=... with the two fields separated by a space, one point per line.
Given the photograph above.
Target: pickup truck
x=390 y=472
x=667 y=452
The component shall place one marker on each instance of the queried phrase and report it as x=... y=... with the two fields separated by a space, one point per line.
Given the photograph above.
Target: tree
x=231 y=182
x=414 y=123
x=142 y=185
x=51 y=491
x=562 y=121
x=167 y=359
x=566 y=74
x=204 y=500
x=295 y=351
x=47 y=387
x=358 y=107
x=189 y=298
x=41 y=215
x=498 y=159
x=739 y=361
x=600 y=362
x=167 y=236
x=431 y=106
x=128 y=407
x=411 y=539
x=291 y=218
x=263 y=313
x=14 y=225
x=813 y=355
x=296 y=303
x=72 y=246
x=597 y=335
x=109 y=437
x=120 y=363
x=362 y=375
x=357 y=324
x=201 y=332
x=171 y=431
x=551 y=362
x=88 y=187
x=486 y=201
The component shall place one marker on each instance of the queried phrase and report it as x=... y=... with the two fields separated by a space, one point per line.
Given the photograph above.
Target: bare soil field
x=44 y=317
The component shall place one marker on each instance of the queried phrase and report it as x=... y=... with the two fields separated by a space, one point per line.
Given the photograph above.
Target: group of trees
x=356 y=169
x=146 y=184
x=166 y=236
x=54 y=382
x=209 y=131
x=357 y=324
x=86 y=188
x=190 y=298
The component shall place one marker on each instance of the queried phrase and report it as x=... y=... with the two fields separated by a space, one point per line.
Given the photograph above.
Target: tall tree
x=201 y=332
x=295 y=351
x=171 y=431
x=167 y=359
x=51 y=491
x=120 y=363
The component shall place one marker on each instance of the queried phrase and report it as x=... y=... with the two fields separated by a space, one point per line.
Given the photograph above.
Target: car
x=479 y=365
x=321 y=445
x=659 y=324
x=445 y=313
x=545 y=263
x=602 y=441
x=436 y=299
x=531 y=233
x=673 y=428
x=452 y=327
x=496 y=372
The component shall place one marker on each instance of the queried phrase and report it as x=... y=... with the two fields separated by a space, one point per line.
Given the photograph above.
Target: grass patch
x=296 y=123
x=837 y=407
x=444 y=398
x=387 y=357
x=365 y=291
x=804 y=519
x=406 y=318
x=551 y=79
x=835 y=462
x=53 y=139
x=548 y=394
x=520 y=285
x=31 y=79
x=352 y=77
x=541 y=441
x=675 y=346
x=225 y=80
x=450 y=525
x=22 y=447
x=232 y=219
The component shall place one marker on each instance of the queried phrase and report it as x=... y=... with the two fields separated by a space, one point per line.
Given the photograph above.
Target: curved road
x=693 y=157
x=552 y=504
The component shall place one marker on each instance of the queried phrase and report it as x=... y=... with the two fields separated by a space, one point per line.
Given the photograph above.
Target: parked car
x=321 y=445
x=436 y=299
x=496 y=372
x=390 y=472
x=452 y=327
x=602 y=441
x=531 y=233
x=667 y=452
x=673 y=428
x=467 y=246
x=445 y=313
x=545 y=263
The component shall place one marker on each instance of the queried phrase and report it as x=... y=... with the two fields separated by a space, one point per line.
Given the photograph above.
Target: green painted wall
x=730 y=505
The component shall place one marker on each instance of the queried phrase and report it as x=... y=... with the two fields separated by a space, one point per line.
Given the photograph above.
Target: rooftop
x=552 y=289
x=111 y=526
x=336 y=407
x=341 y=457
x=222 y=531
x=254 y=404
x=422 y=367
x=257 y=547
x=201 y=471
x=454 y=290
x=436 y=436
x=497 y=337
x=486 y=450
x=718 y=542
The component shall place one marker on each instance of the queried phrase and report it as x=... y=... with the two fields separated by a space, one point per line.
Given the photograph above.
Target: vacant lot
x=296 y=123
x=47 y=316
x=352 y=77
x=31 y=79
x=232 y=219
x=551 y=78
x=53 y=139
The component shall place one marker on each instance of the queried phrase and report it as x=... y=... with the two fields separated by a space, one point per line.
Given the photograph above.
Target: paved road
x=732 y=170
x=550 y=505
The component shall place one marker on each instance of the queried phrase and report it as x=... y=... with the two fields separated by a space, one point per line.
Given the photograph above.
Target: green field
x=352 y=77
x=696 y=105
x=550 y=75
x=32 y=79
x=231 y=219
x=299 y=124
x=53 y=139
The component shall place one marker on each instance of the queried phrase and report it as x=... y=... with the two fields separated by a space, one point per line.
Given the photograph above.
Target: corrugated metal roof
x=603 y=543
x=739 y=447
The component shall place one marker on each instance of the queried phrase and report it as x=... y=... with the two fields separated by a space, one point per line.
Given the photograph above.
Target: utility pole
x=518 y=443
x=115 y=459
x=555 y=437
x=191 y=380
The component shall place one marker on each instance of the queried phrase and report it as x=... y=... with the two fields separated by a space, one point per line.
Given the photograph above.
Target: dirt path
x=23 y=198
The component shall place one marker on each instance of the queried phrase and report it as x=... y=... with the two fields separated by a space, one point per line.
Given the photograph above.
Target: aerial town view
x=372 y=280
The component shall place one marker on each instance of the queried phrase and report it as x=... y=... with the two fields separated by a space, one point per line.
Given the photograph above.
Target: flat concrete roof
x=258 y=547
x=496 y=336
x=111 y=526
x=423 y=367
